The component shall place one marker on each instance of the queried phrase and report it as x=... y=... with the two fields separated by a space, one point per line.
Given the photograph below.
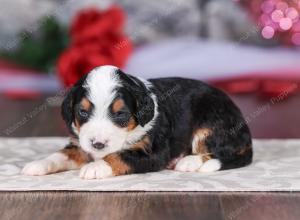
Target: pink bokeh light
x=292 y=13
x=282 y=6
x=285 y=23
x=265 y=19
x=296 y=27
x=267 y=6
x=278 y=18
x=277 y=15
x=268 y=32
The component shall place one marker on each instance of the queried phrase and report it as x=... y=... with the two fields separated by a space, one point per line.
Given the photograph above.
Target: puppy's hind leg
x=201 y=159
x=190 y=163
x=198 y=163
x=211 y=165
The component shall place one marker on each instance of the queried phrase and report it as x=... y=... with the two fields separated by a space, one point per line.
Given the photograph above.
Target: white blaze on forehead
x=100 y=85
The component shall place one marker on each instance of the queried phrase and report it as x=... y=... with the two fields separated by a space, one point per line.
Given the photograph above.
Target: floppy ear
x=145 y=109
x=144 y=102
x=68 y=103
x=67 y=108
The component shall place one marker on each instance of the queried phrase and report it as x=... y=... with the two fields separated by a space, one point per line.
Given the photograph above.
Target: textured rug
x=276 y=167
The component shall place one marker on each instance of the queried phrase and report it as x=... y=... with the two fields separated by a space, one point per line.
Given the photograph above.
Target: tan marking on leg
x=131 y=124
x=199 y=137
x=206 y=157
x=77 y=155
x=117 y=105
x=118 y=166
x=142 y=144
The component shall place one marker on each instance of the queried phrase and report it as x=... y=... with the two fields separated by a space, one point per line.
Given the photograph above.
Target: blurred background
x=249 y=49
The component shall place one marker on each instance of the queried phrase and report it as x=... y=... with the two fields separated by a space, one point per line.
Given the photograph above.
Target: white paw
x=39 y=167
x=211 y=165
x=96 y=170
x=190 y=163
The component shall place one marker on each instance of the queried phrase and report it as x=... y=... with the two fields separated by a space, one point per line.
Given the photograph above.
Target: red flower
x=96 y=39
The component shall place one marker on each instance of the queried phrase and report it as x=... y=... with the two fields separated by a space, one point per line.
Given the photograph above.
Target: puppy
x=122 y=124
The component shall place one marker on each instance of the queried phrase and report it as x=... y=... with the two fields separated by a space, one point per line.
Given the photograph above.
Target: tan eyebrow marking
x=86 y=104
x=117 y=105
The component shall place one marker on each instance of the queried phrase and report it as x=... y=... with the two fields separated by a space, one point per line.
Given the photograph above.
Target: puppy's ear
x=145 y=109
x=144 y=103
x=67 y=108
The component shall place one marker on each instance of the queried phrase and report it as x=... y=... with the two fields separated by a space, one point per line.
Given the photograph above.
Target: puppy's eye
x=82 y=113
x=121 y=113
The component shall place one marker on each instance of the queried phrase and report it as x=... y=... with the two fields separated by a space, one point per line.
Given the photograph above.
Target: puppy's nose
x=98 y=145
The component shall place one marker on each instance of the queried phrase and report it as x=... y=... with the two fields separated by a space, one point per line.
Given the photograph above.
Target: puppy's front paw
x=96 y=170
x=39 y=168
